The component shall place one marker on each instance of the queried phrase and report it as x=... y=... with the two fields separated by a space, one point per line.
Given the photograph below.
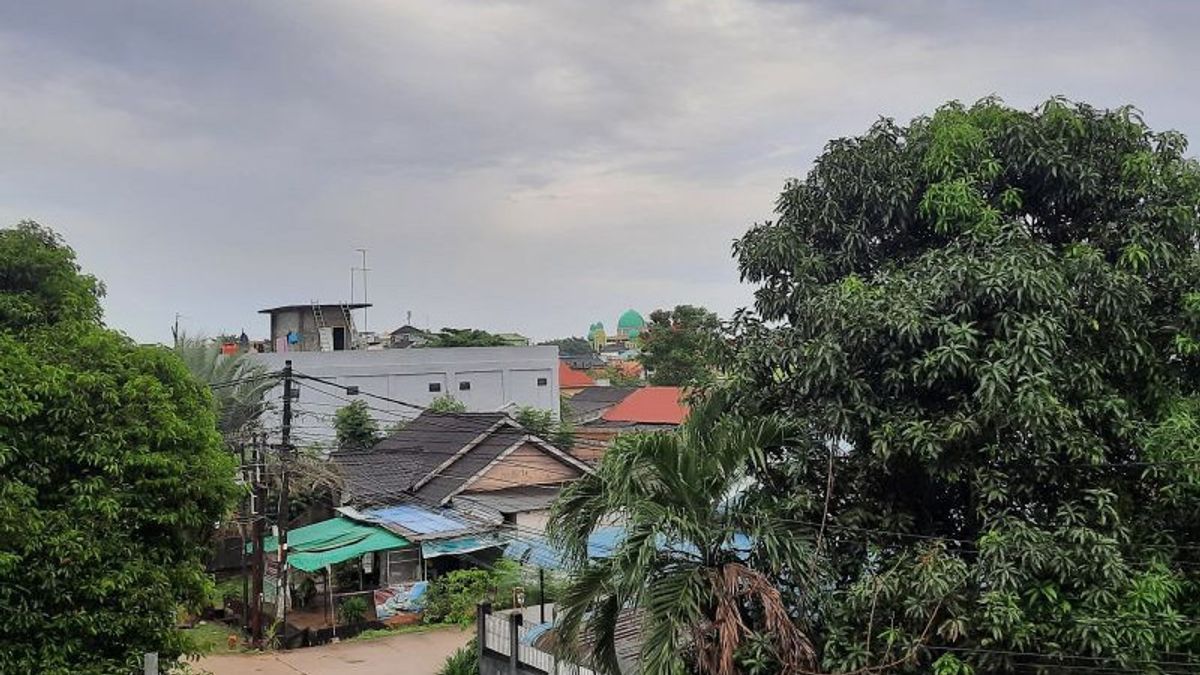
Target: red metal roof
x=650 y=405
x=569 y=378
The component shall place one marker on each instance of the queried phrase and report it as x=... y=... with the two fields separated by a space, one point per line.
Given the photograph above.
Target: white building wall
x=486 y=379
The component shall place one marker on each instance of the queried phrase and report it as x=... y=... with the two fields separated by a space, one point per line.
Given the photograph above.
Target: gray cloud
x=516 y=166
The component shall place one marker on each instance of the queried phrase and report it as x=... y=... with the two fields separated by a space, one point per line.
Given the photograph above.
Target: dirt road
x=403 y=654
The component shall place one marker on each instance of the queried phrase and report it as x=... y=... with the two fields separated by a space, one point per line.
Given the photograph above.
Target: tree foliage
x=354 y=427
x=112 y=475
x=447 y=404
x=543 y=424
x=238 y=385
x=465 y=337
x=680 y=346
x=986 y=322
x=682 y=569
x=571 y=346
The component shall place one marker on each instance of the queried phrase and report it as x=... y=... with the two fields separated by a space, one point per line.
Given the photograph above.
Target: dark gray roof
x=593 y=401
x=516 y=499
x=397 y=463
x=582 y=361
x=322 y=305
x=468 y=465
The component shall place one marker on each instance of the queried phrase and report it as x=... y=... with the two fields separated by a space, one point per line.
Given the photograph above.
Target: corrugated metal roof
x=514 y=500
x=416 y=519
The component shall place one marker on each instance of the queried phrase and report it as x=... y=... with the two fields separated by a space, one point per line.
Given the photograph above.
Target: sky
x=514 y=166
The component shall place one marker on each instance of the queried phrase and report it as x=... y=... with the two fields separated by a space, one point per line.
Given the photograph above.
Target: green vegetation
x=213 y=638
x=453 y=596
x=571 y=346
x=465 y=337
x=351 y=610
x=681 y=346
x=355 y=428
x=112 y=473
x=681 y=489
x=447 y=404
x=239 y=406
x=464 y=660
x=986 y=323
x=543 y=425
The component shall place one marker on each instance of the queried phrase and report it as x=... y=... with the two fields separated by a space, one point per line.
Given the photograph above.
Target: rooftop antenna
x=364 y=269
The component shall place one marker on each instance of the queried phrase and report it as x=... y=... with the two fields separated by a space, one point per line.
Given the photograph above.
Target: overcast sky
x=528 y=167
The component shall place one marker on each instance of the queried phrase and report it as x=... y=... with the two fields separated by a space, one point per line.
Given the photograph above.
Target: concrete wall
x=302 y=321
x=500 y=379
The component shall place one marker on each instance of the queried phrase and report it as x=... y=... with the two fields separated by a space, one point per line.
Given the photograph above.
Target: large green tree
x=986 y=322
x=112 y=475
x=680 y=346
x=355 y=428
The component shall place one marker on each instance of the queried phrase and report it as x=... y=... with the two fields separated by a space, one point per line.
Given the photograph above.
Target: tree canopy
x=238 y=385
x=571 y=346
x=112 y=475
x=354 y=427
x=465 y=337
x=986 y=322
x=681 y=345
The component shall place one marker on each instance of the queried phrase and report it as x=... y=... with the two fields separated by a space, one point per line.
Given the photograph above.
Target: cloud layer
x=515 y=166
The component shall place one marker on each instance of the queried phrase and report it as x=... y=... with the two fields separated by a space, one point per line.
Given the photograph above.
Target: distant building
x=571 y=381
x=582 y=361
x=514 y=339
x=408 y=336
x=485 y=379
x=630 y=325
x=643 y=409
x=314 y=327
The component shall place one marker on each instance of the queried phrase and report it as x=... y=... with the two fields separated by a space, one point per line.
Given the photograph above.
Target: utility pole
x=258 y=502
x=285 y=451
x=364 y=269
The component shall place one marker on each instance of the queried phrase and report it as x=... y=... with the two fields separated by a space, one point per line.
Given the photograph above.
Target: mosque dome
x=631 y=323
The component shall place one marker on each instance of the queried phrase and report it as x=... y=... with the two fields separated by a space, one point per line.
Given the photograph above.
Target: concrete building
x=314 y=327
x=485 y=379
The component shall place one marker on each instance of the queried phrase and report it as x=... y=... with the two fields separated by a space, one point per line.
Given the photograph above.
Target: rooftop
x=650 y=405
x=568 y=377
x=309 y=306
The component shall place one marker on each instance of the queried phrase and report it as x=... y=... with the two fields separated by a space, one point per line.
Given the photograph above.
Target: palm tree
x=238 y=385
x=683 y=569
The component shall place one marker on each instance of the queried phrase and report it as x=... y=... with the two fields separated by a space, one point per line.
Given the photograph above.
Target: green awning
x=312 y=547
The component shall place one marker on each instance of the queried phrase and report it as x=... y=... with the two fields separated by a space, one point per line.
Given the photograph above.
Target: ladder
x=348 y=322
x=321 y=323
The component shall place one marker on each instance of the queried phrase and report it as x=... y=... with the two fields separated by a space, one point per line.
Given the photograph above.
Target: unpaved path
x=403 y=654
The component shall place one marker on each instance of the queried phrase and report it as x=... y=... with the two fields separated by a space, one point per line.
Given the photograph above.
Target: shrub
x=464 y=661
x=351 y=610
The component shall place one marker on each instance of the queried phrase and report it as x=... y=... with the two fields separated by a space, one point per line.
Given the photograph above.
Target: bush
x=452 y=598
x=351 y=610
x=464 y=661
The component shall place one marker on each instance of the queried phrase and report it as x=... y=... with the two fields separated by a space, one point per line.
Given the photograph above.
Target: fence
x=505 y=649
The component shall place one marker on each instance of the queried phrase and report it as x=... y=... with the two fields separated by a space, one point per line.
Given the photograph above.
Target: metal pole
x=365 y=269
x=542 y=592
x=260 y=568
x=285 y=450
x=514 y=642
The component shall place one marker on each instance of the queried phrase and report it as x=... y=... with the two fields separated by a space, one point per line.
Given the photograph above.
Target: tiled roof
x=569 y=377
x=445 y=483
x=516 y=499
x=397 y=463
x=591 y=402
x=650 y=405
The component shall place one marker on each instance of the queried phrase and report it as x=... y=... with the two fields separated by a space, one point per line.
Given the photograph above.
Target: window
x=542 y=381
x=435 y=387
x=404 y=565
x=464 y=386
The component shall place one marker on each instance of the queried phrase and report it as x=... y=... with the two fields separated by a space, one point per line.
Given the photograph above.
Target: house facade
x=314 y=327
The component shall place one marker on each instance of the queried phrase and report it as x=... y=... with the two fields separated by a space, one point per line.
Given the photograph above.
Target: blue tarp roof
x=459 y=545
x=601 y=543
x=417 y=519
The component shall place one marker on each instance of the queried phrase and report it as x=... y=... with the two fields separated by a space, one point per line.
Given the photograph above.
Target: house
x=644 y=409
x=482 y=463
x=407 y=336
x=571 y=381
x=589 y=404
x=583 y=362
x=485 y=379
x=314 y=327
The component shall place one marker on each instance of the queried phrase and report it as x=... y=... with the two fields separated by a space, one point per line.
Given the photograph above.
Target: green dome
x=631 y=319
